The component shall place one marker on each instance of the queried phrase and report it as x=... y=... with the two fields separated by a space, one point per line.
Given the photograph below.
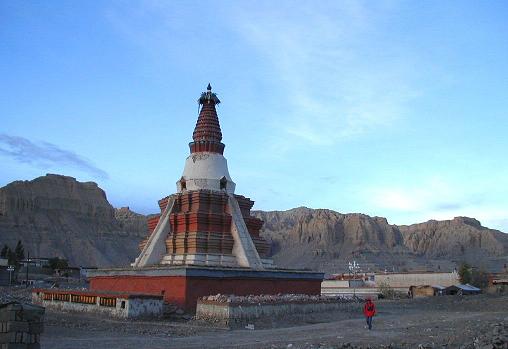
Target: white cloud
x=336 y=84
x=437 y=199
x=419 y=197
x=337 y=78
x=46 y=155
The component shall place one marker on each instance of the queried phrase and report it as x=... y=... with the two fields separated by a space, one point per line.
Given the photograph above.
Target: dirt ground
x=438 y=322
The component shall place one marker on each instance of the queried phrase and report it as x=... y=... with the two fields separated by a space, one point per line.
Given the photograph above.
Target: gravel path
x=429 y=323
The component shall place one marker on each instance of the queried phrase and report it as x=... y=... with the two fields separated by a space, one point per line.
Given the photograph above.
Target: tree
x=57 y=263
x=475 y=276
x=465 y=273
x=479 y=278
x=5 y=249
x=19 y=251
x=11 y=256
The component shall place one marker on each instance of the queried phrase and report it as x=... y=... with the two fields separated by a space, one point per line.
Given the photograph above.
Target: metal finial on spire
x=208 y=96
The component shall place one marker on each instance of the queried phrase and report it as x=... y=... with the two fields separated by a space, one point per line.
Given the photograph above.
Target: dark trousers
x=369 y=322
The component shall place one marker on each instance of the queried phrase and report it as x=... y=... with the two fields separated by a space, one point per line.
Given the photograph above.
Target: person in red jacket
x=369 y=310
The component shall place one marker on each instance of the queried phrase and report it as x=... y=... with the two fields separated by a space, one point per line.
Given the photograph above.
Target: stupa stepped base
x=208 y=259
x=184 y=285
x=200 y=259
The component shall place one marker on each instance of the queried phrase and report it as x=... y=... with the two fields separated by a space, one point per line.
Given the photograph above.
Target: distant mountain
x=56 y=215
x=327 y=240
x=460 y=237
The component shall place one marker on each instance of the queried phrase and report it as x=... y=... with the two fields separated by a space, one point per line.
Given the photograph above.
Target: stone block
x=33 y=315
x=30 y=338
x=21 y=312
x=20 y=346
x=14 y=326
x=11 y=337
x=36 y=327
x=19 y=337
x=10 y=315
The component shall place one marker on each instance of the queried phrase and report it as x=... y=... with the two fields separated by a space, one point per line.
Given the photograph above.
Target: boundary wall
x=111 y=304
x=231 y=313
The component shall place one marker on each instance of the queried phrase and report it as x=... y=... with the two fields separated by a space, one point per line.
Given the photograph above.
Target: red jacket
x=369 y=309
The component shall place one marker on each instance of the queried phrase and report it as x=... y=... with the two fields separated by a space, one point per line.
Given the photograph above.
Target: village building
x=369 y=284
x=498 y=280
x=462 y=290
x=408 y=279
x=426 y=291
x=35 y=262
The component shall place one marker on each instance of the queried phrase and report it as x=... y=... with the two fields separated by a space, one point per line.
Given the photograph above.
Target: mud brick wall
x=21 y=326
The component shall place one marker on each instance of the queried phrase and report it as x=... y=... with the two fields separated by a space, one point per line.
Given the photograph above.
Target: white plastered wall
x=205 y=171
x=155 y=247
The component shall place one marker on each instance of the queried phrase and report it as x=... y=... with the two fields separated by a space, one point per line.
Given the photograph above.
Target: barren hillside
x=56 y=215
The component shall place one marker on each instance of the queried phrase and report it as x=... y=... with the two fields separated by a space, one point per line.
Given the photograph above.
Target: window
x=223 y=183
x=107 y=302
x=183 y=184
x=61 y=297
x=77 y=298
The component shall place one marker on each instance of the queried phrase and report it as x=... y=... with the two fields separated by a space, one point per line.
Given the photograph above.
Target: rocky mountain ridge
x=56 y=215
x=461 y=236
x=326 y=240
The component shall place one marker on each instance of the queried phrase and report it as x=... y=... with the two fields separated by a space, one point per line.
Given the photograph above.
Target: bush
x=474 y=276
x=386 y=291
x=57 y=263
x=465 y=273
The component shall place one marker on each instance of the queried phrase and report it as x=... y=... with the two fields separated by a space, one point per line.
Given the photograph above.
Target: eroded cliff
x=56 y=215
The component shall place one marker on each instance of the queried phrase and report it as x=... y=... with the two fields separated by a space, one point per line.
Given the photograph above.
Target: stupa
x=205 y=240
x=205 y=223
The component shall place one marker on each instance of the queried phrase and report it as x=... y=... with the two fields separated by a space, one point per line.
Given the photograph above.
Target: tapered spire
x=207 y=134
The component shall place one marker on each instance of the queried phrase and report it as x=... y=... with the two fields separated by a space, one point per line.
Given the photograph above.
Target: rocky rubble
x=19 y=294
x=278 y=298
x=497 y=338
x=174 y=312
x=336 y=346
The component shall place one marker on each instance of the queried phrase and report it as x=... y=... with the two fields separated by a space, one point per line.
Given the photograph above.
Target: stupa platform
x=183 y=285
x=205 y=240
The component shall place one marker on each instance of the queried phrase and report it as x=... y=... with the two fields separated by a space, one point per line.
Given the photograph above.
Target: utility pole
x=27 y=264
x=10 y=269
x=353 y=268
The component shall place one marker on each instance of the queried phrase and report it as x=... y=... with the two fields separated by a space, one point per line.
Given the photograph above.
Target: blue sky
x=396 y=109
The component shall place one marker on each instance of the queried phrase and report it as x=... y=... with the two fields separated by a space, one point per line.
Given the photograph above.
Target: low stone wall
x=110 y=304
x=238 y=310
x=21 y=326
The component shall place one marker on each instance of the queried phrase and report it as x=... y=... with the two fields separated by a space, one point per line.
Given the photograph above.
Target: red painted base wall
x=185 y=291
x=172 y=287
